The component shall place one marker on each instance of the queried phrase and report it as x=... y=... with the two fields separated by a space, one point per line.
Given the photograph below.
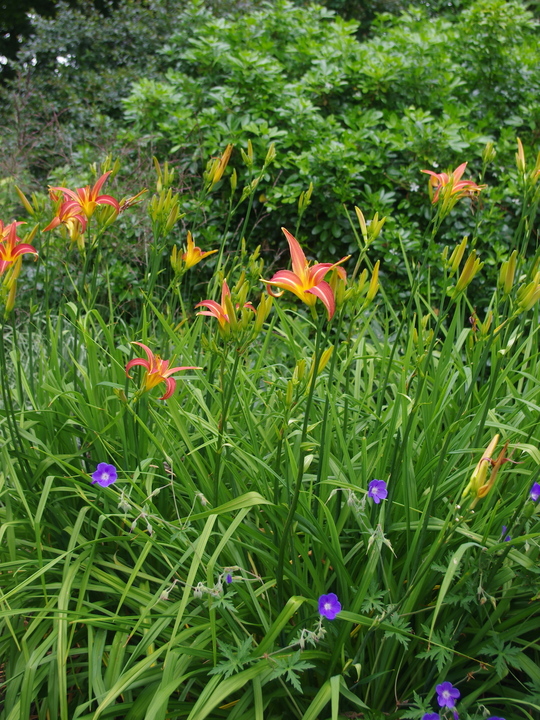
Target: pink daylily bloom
x=157 y=371
x=220 y=312
x=456 y=186
x=69 y=214
x=11 y=246
x=88 y=198
x=306 y=282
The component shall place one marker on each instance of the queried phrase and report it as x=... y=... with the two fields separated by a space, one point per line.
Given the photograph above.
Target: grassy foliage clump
x=324 y=508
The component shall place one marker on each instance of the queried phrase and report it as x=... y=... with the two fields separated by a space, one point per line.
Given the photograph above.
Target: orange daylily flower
x=157 y=371
x=306 y=282
x=11 y=246
x=451 y=184
x=70 y=215
x=194 y=254
x=224 y=313
x=85 y=199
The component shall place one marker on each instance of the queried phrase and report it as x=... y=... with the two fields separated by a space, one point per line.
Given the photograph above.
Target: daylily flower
x=70 y=215
x=306 y=282
x=194 y=254
x=451 y=185
x=11 y=245
x=224 y=313
x=157 y=371
x=86 y=199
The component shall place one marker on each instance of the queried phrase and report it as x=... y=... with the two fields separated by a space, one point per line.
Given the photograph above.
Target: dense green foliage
x=188 y=588
x=359 y=120
x=185 y=583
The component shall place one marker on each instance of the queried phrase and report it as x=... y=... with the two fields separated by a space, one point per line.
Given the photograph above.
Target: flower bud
x=270 y=155
x=362 y=222
x=457 y=256
x=488 y=153
x=507 y=272
x=520 y=158
x=528 y=295
x=374 y=283
x=472 y=266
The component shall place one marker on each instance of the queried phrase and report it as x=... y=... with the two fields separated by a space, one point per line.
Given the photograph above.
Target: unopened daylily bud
x=507 y=272
x=305 y=199
x=528 y=295
x=362 y=222
x=234 y=181
x=27 y=205
x=263 y=310
x=231 y=313
x=375 y=227
x=457 y=256
x=222 y=164
x=488 y=153
x=374 y=283
x=289 y=394
x=444 y=254
x=520 y=157
x=299 y=371
x=472 y=266
x=484 y=327
x=325 y=357
x=176 y=261
x=479 y=475
x=10 y=301
x=270 y=155
x=248 y=157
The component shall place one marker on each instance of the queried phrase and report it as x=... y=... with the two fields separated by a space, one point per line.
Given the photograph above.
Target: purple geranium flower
x=228 y=578
x=507 y=538
x=104 y=475
x=534 y=493
x=447 y=695
x=329 y=606
x=377 y=491
x=431 y=716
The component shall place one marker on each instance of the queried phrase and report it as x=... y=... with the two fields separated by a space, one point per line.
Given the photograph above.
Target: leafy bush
x=349 y=116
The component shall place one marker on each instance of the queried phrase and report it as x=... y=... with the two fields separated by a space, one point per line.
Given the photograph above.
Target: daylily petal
x=324 y=292
x=100 y=183
x=171 y=371
x=299 y=262
x=146 y=349
x=137 y=361
x=171 y=387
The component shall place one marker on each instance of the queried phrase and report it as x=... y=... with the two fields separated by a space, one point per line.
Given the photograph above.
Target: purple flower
x=447 y=694
x=431 y=716
x=507 y=538
x=377 y=491
x=228 y=578
x=534 y=493
x=329 y=606
x=104 y=475
x=493 y=717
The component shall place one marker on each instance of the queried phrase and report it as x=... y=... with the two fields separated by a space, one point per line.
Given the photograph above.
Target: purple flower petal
x=377 y=491
x=447 y=694
x=431 y=716
x=104 y=475
x=228 y=578
x=534 y=492
x=329 y=606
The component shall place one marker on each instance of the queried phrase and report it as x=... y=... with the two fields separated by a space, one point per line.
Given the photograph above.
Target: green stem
x=300 y=474
x=226 y=398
